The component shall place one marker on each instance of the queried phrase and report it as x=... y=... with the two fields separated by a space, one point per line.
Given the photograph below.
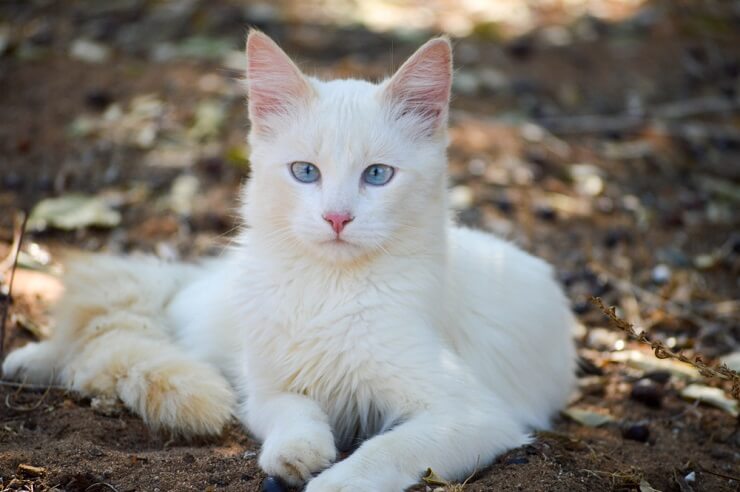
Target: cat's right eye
x=305 y=172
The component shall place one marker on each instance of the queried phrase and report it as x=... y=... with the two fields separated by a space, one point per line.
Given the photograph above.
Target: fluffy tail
x=112 y=338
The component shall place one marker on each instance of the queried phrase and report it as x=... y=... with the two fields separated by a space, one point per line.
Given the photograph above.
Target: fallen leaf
x=432 y=478
x=646 y=487
x=30 y=470
x=71 y=212
x=732 y=361
x=712 y=396
x=238 y=157
x=588 y=418
x=182 y=194
x=209 y=118
x=648 y=362
x=89 y=51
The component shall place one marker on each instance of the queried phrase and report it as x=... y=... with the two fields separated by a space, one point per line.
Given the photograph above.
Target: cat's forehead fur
x=344 y=124
x=351 y=92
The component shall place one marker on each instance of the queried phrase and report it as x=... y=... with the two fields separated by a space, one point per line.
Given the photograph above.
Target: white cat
x=350 y=309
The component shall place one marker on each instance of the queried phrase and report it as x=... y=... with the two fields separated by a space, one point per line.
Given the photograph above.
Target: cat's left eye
x=377 y=174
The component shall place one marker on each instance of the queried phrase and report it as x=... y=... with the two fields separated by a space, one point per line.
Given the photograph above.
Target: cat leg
x=296 y=437
x=453 y=439
x=35 y=363
x=154 y=378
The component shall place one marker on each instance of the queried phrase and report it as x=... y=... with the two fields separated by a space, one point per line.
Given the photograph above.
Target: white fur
x=445 y=344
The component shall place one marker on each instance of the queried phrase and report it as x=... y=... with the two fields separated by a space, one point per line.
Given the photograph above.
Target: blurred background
x=603 y=135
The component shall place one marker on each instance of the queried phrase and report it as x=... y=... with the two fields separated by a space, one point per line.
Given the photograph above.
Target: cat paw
x=31 y=363
x=339 y=479
x=295 y=457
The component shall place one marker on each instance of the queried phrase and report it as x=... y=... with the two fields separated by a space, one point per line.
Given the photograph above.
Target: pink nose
x=338 y=220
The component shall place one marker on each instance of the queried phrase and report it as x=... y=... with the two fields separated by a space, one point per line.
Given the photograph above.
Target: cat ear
x=275 y=85
x=421 y=87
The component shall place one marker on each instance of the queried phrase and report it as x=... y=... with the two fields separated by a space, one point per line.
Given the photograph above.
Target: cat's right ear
x=420 y=89
x=275 y=85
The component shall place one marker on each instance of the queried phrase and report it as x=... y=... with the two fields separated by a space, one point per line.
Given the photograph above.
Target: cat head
x=346 y=169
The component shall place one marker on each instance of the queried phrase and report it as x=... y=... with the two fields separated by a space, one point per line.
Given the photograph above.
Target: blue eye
x=377 y=174
x=305 y=172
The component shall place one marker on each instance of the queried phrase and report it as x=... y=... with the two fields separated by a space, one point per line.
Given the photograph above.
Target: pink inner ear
x=275 y=85
x=421 y=87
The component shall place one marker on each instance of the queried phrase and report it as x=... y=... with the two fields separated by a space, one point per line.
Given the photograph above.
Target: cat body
x=350 y=313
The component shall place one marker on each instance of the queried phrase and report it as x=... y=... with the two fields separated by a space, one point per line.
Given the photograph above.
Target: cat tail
x=112 y=339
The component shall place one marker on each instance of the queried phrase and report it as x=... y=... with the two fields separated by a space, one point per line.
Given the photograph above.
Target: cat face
x=346 y=168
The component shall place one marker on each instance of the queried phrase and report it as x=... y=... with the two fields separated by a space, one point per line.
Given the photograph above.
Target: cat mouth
x=337 y=241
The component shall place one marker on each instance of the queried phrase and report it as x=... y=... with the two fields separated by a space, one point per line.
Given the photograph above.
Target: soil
x=666 y=196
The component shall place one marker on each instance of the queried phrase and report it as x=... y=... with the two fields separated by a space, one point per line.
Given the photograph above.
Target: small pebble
x=505 y=206
x=612 y=238
x=545 y=213
x=517 y=461
x=636 y=432
x=602 y=338
x=736 y=244
x=705 y=262
x=648 y=393
x=98 y=99
x=273 y=484
x=582 y=307
x=213 y=166
x=520 y=48
x=661 y=274
x=660 y=377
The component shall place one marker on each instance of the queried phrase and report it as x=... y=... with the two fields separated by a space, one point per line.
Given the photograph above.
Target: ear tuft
x=275 y=85
x=421 y=87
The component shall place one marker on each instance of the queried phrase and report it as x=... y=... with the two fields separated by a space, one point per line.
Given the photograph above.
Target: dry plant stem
x=27 y=386
x=729 y=477
x=30 y=408
x=662 y=352
x=17 y=243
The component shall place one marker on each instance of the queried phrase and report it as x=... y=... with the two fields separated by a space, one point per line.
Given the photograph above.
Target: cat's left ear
x=421 y=87
x=275 y=85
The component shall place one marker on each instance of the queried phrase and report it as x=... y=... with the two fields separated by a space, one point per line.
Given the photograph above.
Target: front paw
x=32 y=363
x=342 y=479
x=296 y=456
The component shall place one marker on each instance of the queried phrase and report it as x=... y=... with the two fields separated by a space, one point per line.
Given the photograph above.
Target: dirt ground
x=606 y=141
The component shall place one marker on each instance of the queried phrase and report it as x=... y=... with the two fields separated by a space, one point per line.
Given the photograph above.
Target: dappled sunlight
x=458 y=18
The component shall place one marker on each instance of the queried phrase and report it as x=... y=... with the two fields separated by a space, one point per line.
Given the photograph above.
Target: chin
x=339 y=251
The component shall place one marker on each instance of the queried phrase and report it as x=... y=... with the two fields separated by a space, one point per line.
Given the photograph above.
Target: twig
x=25 y=409
x=729 y=477
x=720 y=371
x=6 y=303
x=14 y=384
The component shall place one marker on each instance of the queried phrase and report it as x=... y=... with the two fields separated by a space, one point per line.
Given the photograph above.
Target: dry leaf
x=71 y=212
x=588 y=417
x=646 y=487
x=648 y=362
x=432 y=478
x=712 y=396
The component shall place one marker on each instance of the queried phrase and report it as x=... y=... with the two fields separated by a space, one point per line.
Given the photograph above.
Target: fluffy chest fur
x=348 y=341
